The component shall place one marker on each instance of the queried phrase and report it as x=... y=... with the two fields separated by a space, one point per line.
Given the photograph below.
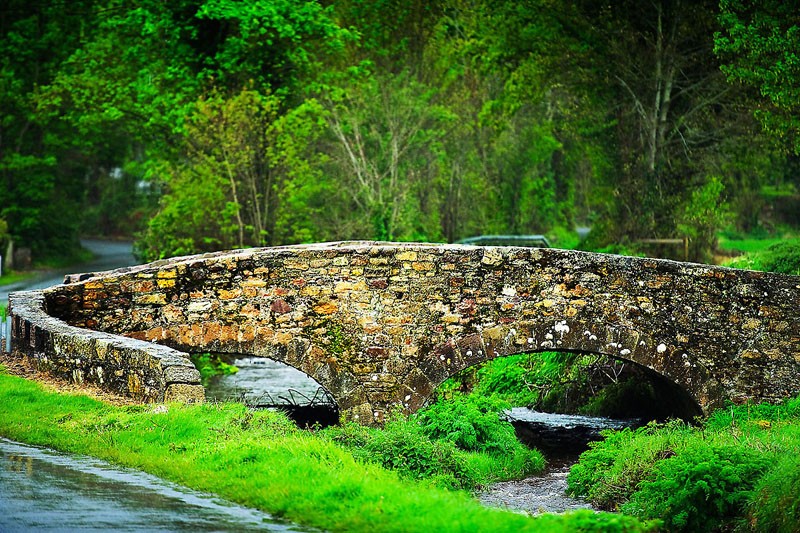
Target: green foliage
x=699 y=478
x=459 y=443
x=775 y=505
x=243 y=157
x=704 y=488
x=472 y=423
x=703 y=216
x=759 y=44
x=509 y=378
x=782 y=257
x=610 y=471
x=402 y=447
x=211 y=365
x=276 y=122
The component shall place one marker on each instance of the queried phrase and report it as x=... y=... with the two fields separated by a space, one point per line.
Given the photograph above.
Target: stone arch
x=623 y=343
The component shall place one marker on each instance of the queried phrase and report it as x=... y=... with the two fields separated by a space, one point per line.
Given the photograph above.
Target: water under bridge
x=380 y=325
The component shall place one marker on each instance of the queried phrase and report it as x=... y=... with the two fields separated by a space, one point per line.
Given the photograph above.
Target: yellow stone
x=409 y=255
x=166 y=283
x=229 y=294
x=151 y=299
x=310 y=290
x=326 y=308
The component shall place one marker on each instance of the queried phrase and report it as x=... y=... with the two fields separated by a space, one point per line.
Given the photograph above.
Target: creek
x=44 y=490
x=561 y=438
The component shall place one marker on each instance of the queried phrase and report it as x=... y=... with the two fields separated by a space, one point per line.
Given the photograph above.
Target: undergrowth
x=210 y=365
x=782 y=257
x=260 y=459
x=734 y=471
x=460 y=443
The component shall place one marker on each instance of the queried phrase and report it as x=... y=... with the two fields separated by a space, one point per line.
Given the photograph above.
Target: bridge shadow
x=264 y=383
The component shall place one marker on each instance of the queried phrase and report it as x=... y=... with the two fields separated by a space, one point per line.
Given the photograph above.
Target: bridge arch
x=380 y=325
x=694 y=382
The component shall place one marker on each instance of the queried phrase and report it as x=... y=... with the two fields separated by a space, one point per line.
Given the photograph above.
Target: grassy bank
x=738 y=471
x=261 y=460
x=13 y=277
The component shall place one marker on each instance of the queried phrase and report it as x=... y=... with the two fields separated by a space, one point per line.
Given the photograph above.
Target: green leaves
x=759 y=45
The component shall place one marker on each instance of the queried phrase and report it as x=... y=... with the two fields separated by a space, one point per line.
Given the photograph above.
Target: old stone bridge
x=380 y=325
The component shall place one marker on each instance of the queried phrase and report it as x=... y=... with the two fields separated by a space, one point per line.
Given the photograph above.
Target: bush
x=775 y=505
x=508 y=378
x=473 y=423
x=402 y=447
x=703 y=488
x=610 y=471
x=782 y=257
x=210 y=365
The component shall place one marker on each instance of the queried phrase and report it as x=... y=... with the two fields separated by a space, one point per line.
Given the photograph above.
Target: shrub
x=702 y=488
x=402 y=447
x=775 y=505
x=782 y=257
x=472 y=423
x=508 y=378
x=210 y=365
x=610 y=471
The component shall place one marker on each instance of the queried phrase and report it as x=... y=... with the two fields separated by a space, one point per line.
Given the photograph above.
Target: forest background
x=199 y=125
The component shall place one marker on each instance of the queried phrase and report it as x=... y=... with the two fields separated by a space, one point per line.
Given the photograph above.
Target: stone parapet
x=141 y=370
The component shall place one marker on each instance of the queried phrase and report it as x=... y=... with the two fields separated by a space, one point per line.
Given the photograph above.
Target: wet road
x=108 y=255
x=43 y=490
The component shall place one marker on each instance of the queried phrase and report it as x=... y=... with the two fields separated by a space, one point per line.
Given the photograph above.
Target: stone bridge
x=380 y=325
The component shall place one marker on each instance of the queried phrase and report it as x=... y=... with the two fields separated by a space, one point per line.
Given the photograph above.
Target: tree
x=384 y=141
x=40 y=176
x=227 y=186
x=672 y=110
x=759 y=45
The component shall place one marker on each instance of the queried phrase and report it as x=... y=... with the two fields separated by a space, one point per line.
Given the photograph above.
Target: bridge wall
x=134 y=368
x=380 y=325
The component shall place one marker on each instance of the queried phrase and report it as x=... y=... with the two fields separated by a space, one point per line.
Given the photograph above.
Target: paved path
x=107 y=255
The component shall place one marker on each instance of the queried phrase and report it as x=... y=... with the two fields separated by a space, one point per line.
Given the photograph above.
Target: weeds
x=739 y=469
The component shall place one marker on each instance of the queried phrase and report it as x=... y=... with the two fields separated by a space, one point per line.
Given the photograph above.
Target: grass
x=259 y=459
x=10 y=277
x=747 y=245
x=722 y=474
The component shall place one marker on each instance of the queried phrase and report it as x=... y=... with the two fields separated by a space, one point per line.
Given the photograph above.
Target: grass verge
x=737 y=471
x=13 y=277
x=259 y=459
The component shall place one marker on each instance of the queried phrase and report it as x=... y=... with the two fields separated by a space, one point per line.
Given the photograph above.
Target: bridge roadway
x=380 y=325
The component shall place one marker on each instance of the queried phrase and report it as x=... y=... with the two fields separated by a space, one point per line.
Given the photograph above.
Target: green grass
x=259 y=459
x=13 y=277
x=747 y=245
x=716 y=476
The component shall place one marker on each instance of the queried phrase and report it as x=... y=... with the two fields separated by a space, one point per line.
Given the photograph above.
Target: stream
x=544 y=493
